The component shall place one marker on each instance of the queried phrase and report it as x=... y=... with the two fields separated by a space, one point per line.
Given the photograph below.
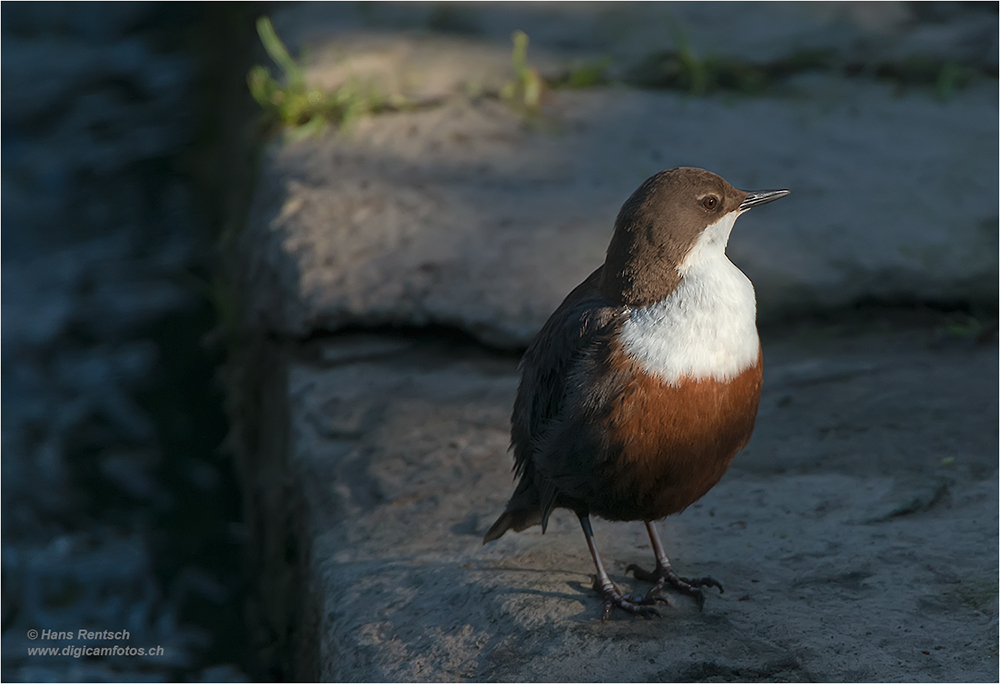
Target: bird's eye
x=710 y=202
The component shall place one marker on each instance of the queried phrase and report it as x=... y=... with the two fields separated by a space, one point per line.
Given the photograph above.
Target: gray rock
x=755 y=32
x=395 y=465
x=461 y=215
x=856 y=534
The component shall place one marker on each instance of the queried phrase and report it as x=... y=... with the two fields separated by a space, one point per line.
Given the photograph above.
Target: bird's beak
x=761 y=197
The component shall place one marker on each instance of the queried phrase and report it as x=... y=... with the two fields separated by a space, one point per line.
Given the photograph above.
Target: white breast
x=707 y=327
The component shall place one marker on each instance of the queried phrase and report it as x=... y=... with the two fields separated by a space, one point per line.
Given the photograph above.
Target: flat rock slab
x=856 y=535
x=465 y=216
x=341 y=34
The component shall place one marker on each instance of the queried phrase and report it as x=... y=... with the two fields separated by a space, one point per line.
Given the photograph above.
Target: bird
x=644 y=383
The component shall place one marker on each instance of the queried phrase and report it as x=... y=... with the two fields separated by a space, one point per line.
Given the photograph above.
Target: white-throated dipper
x=644 y=383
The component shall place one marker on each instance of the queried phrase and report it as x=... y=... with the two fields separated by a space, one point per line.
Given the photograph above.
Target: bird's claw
x=643 y=606
x=664 y=575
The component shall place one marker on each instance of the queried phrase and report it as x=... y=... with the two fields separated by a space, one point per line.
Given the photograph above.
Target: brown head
x=660 y=223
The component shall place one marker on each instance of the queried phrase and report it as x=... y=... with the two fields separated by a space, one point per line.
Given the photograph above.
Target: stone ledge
x=466 y=215
x=462 y=216
x=375 y=463
x=397 y=452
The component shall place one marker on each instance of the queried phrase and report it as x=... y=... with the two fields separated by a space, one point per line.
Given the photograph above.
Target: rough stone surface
x=629 y=32
x=856 y=536
x=465 y=214
x=460 y=215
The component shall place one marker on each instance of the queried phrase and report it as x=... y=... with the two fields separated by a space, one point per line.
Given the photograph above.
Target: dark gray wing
x=550 y=425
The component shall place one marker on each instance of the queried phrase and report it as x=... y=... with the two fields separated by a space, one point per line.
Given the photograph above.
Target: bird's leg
x=664 y=574
x=637 y=605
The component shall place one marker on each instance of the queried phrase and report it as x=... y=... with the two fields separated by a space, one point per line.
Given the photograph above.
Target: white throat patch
x=707 y=327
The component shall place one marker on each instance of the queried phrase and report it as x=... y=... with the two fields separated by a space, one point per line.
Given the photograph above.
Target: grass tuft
x=525 y=92
x=290 y=102
x=584 y=74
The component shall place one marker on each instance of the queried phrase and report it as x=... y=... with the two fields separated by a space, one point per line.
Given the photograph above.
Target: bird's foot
x=664 y=575
x=636 y=605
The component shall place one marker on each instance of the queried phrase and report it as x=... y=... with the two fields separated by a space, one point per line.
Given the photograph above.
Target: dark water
x=120 y=507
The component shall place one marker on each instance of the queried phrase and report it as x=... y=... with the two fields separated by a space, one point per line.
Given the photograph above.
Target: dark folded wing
x=567 y=346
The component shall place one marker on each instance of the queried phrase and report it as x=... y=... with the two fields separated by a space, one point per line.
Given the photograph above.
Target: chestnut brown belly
x=669 y=445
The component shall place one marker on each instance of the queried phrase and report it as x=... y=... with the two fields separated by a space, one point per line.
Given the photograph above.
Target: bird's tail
x=516 y=520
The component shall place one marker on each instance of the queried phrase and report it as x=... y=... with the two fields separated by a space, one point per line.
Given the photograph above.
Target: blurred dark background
x=124 y=155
